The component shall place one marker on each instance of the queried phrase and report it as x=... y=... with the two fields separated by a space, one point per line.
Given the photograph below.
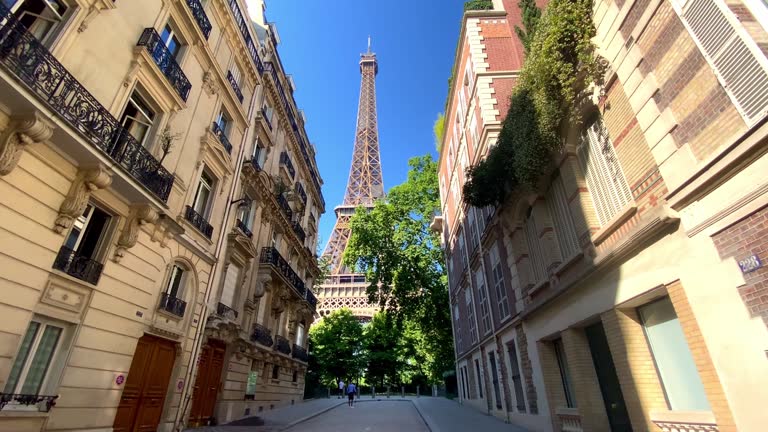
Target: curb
x=425 y=418
x=310 y=416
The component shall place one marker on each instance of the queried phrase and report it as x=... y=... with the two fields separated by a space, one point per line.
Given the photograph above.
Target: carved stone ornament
x=140 y=215
x=21 y=132
x=74 y=204
x=210 y=84
x=263 y=280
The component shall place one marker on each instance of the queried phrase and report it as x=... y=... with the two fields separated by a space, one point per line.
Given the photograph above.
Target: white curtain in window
x=230 y=285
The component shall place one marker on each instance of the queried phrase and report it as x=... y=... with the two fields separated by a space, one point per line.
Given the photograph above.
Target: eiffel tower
x=364 y=186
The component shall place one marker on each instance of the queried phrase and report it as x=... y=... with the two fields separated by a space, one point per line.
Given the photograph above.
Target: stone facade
x=655 y=209
x=140 y=148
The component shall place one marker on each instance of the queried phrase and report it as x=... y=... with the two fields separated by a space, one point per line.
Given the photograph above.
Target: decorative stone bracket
x=21 y=132
x=140 y=215
x=210 y=83
x=87 y=181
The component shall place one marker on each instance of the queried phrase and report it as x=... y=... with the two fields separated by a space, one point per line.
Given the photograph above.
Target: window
x=495 y=379
x=223 y=121
x=236 y=74
x=267 y=111
x=40 y=358
x=473 y=129
x=474 y=235
x=479 y=379
x=606 y=182
x=465 y=378
x=443 y=191
x=517 y=379
x=457 y=323
x=535 y=254
x=250 y=386
x=462 y=105
x=498 y=282
x=295 y=377
x=41 y=17
x=674 y=362
x=138 y=118
x=203 y=195
x=170 y=40
x=462 y=249
x=275 y=239
x=85 y=245
x=260 y=153
x=565 y=374
x=470 y=315
x=559 y=209
x=469 y=76
x=300 y=331
x=175 y=288
x=231 y=281
x=275 y=372
x=455 y=191
x=245 y=213
x=485 y=315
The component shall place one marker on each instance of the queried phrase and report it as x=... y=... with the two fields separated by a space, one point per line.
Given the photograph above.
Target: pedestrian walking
x=341 y=388
x=351 y=390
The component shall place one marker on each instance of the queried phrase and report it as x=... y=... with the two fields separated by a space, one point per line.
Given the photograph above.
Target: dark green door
x=609 y=382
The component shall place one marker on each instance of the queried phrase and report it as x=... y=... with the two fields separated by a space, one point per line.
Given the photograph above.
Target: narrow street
x=368 y=416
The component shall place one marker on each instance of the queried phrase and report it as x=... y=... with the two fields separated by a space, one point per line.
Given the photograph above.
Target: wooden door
x=141 y=404
x=207 y=383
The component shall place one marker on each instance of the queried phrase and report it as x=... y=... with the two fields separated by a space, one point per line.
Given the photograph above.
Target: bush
x=478 y=5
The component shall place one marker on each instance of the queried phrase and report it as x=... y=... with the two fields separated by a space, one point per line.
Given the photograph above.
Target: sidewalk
x=445 y=415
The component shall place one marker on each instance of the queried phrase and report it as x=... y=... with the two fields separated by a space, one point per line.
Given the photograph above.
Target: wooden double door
x=207 y=383
x=141 y=405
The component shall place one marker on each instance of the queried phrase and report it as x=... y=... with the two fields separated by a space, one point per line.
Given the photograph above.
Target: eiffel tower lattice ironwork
x=364 y=186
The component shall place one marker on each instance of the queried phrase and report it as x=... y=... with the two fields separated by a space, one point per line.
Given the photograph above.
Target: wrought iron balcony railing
x=242 y=24
x=164 y=59
x=285 y=161
x=202 y=19
x=242 y=227
x=283 y=203
x=270 y=255
x=235 y=86
x=262 y=335
x=216 y=129
x=198 y=221
x=27 y=59
x=173 y=304
x=81 y=267
x=300 y=191
x=311 y=299
x=225 y=311
x=282 y=345
x=299 y=353
x=28 y=399
x=299 y=231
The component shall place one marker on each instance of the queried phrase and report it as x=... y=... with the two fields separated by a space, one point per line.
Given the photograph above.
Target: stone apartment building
x=159 y=202
x=629 y=291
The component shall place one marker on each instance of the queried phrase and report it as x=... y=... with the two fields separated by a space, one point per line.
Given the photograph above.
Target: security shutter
x=557 y=201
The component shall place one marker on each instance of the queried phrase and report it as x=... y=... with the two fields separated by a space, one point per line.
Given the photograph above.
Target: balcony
x=172 y=305
x=165 y=61
x=81 y=267
x=283 y=203
x=31 y=63
x=299 y=353
x=300 y=191
x=299 y=231
x=282 y=345
x=235 y=86
x=262 y=335
x=202 y=19
x=266 y=118
x=270 y=255
x=225 y=311
x=311 y=299
x=241 y=226
x=243 y=24
x=285 y=161
x=222 y=137
x=27 y=400
x=198 y=221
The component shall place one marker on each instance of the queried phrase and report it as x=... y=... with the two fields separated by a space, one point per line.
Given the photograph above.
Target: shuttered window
x=535 y=254
x=735 y=57
x=485 y=315
x=557 y=200
x=607 y=184
x=498 y=282
x=470 y=315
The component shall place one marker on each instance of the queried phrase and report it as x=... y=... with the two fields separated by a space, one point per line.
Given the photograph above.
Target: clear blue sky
x=320 y=46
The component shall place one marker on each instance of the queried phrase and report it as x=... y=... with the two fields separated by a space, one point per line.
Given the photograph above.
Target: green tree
x=383 y=346
x=531 y=14
x=337 y=346
x=439 y=131
x=401 y=257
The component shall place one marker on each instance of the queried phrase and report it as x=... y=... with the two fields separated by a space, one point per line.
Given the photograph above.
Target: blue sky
x=320 y=46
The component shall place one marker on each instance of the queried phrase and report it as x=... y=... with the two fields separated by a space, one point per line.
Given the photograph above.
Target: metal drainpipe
x=187 y=394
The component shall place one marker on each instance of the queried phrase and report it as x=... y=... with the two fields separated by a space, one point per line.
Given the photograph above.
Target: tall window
x=175 y=288
x=494 y=378
x=171 y=40
x=462 y=248
x=236 y=74
x=470 y=315
x=245 y=213
x=605 y=179
x=485 y=315
x=223 y=121
x=557 y=201
x=138 y=118
x=260 y=153
x=517 y=379
x=300 y=330
x=267 y=111
x=275 y=372
x=474 y=238
x=674 y=362
x=41 y=17
x=231 y=281
x=498 y=282
x=535 y=254
x=457 y=323
x=565 y=374
x=473 y=129
x=203 y=194
x=479 y=378
x=85 y=245
x=39 y=358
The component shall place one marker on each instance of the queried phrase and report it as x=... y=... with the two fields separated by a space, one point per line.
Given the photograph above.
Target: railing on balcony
x=225 y=311
x=81 y=267
x=285 y=161
x=299 y=231
x=242 y=227
x=235 y=86
x=300 y=191
x=26 y=58
x=164 y=60
x=198 y=221
x=173 y=304
x=270 y=255
x=262 y=335
x=311 y=299
x=282 y=345
x=255 y=164
x=283 y=203
x=266 y=118
x=299 y=353
x=47 y=402
x=570 y=420
x=243 y=24
x=222 y=137
x=202 y=19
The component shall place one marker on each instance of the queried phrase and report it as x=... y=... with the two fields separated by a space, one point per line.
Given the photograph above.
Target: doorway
x=141 y=404
x=207 y=383
x=609 y=381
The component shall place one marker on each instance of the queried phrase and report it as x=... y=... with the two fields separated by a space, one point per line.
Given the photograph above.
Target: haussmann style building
x=159 y=201
x=629 y=292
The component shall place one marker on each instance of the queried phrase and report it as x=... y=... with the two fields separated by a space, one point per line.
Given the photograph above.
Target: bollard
x=418 y=391
x=402 y=391
x=373 y=392
x=387 y=392
x=434 y=390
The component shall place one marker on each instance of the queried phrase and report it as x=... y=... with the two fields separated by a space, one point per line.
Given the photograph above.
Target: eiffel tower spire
x=364 y=187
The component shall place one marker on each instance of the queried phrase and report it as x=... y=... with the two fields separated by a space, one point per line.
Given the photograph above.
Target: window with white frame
x=177 y=282
x=560 y=211
x=498 y=282
x=443 y=191
x=224 y=122
x=517 y=378
x=451 y=156
x=457 y=323
x=474 y=238
x=42 y=18
x=469 y=77
x=455 y=190
x=300 y=332
x=473 y=129
x=171 y=40
x=462 y=105
x=267 y=111
x=85 y=246
x=485 y=315
x=462 y=249
x=470 y=315
x=535 y=253
x=605 y=179
x=201 y=203
x=40 y=358
x=259 y=153
x=236 y=74
x=245 y=212
x=463 y=159
x=138 y=117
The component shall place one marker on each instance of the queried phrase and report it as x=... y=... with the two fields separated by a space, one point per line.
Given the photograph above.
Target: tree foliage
x=439 y=130
x=337 y=346
x=531 y=15
x=478 y=5
x=385 y=350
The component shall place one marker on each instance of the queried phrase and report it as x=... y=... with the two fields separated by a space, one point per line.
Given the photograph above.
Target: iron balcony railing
x=300 y=191
x=282 y=345
x=243 y=24
x=285 y=161
x=198 y=221
x=29 y=61
x=299 y=353
x=311 y=299
x=173 y=304
x=299 y=231
x=225 y=311
x=270 y=255
x=164 y=59
x=283 y=203
x=28 y=399
x=216 y=129
x=202 y=19
x=81 y=267
x=235 y=86
x=262 y=335
x=242 y=227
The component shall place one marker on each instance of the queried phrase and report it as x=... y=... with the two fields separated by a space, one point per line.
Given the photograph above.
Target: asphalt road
x=367 y=416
